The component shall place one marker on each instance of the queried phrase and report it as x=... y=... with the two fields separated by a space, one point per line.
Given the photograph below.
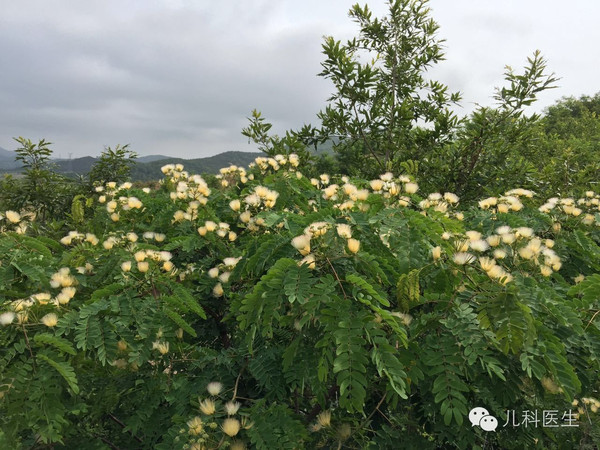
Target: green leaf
x=65 y=370
x=60 y=343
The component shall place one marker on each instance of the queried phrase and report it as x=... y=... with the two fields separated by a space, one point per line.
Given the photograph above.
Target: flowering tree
x=274 y=311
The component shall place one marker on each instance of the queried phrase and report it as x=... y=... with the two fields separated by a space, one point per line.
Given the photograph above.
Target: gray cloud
x=180 y=77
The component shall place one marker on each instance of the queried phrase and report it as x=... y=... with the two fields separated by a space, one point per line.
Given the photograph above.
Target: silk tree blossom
x=462 y=258
x=231 y=427
x=411 y=188
x=214 y=388
x=218 y=290
x=487 y=264
x=302 y=244
x=309 y=260
x=344 y=230
x=377 y=185
x=451 y=198
x=208 y=407
x=12 y=216
x=6 y=318
x=479 y=245
x=50 y=320
x=231 y=408
x=493 y=240
x=473 y=235
x=231 y=262
x=353 y=245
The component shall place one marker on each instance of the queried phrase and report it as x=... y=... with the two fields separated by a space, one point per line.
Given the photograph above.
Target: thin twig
x=237 y=380
x=114 y=419
x=592 y=319
x=337 y=278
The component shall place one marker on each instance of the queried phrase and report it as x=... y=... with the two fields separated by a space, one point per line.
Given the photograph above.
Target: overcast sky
x=179 y=77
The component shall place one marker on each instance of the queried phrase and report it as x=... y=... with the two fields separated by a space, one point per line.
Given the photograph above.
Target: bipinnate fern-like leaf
x=64 y=369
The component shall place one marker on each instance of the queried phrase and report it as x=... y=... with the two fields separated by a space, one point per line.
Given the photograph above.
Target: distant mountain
x=146 y=167
x=79 y=166
x=151 y=158
x=6 y=154
x=7 y=160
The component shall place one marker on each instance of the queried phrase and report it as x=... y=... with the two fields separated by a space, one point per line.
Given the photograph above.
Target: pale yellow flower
x=231 y=408
x=208 y=407
x=195 y=426
x=436 y=252
x=353 y=245
x=503 y=208
x=493 y=240
x=218 y=290
x=411 y=188
x=487 y=263
x=231 y=427
x=324 y=418
x=302 y=244
x=344 y=230
x=6 y=318
x=224 y=277
x=143 y=266
x=309 y=260
x=214 y=388
x=479 y=245
x=50 y=320
x=462 y=258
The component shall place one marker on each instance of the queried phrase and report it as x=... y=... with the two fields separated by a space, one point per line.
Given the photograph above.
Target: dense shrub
x=275 y=311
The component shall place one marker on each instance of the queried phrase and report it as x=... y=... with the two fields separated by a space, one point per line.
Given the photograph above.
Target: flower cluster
x=115 y=205
x=222 y=272
x=291 y=162
x=261 y=198
x=516 y=243
x=221 y=229
x=594 y=405
x=144 y=257
x=439 y=203
x=346 y=196
x=315 y=230
x=585 y=208
x=229 y=175
x=20 y=308
x=15 y=220
x=185 y=186
x=213 y=412
x=75 y=236
x=391 y=187
x=505 y=203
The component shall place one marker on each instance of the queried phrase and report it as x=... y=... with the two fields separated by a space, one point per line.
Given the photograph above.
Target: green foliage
x=322 y=341
x=384 y=110
x=113 y=165
x=41 y=189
